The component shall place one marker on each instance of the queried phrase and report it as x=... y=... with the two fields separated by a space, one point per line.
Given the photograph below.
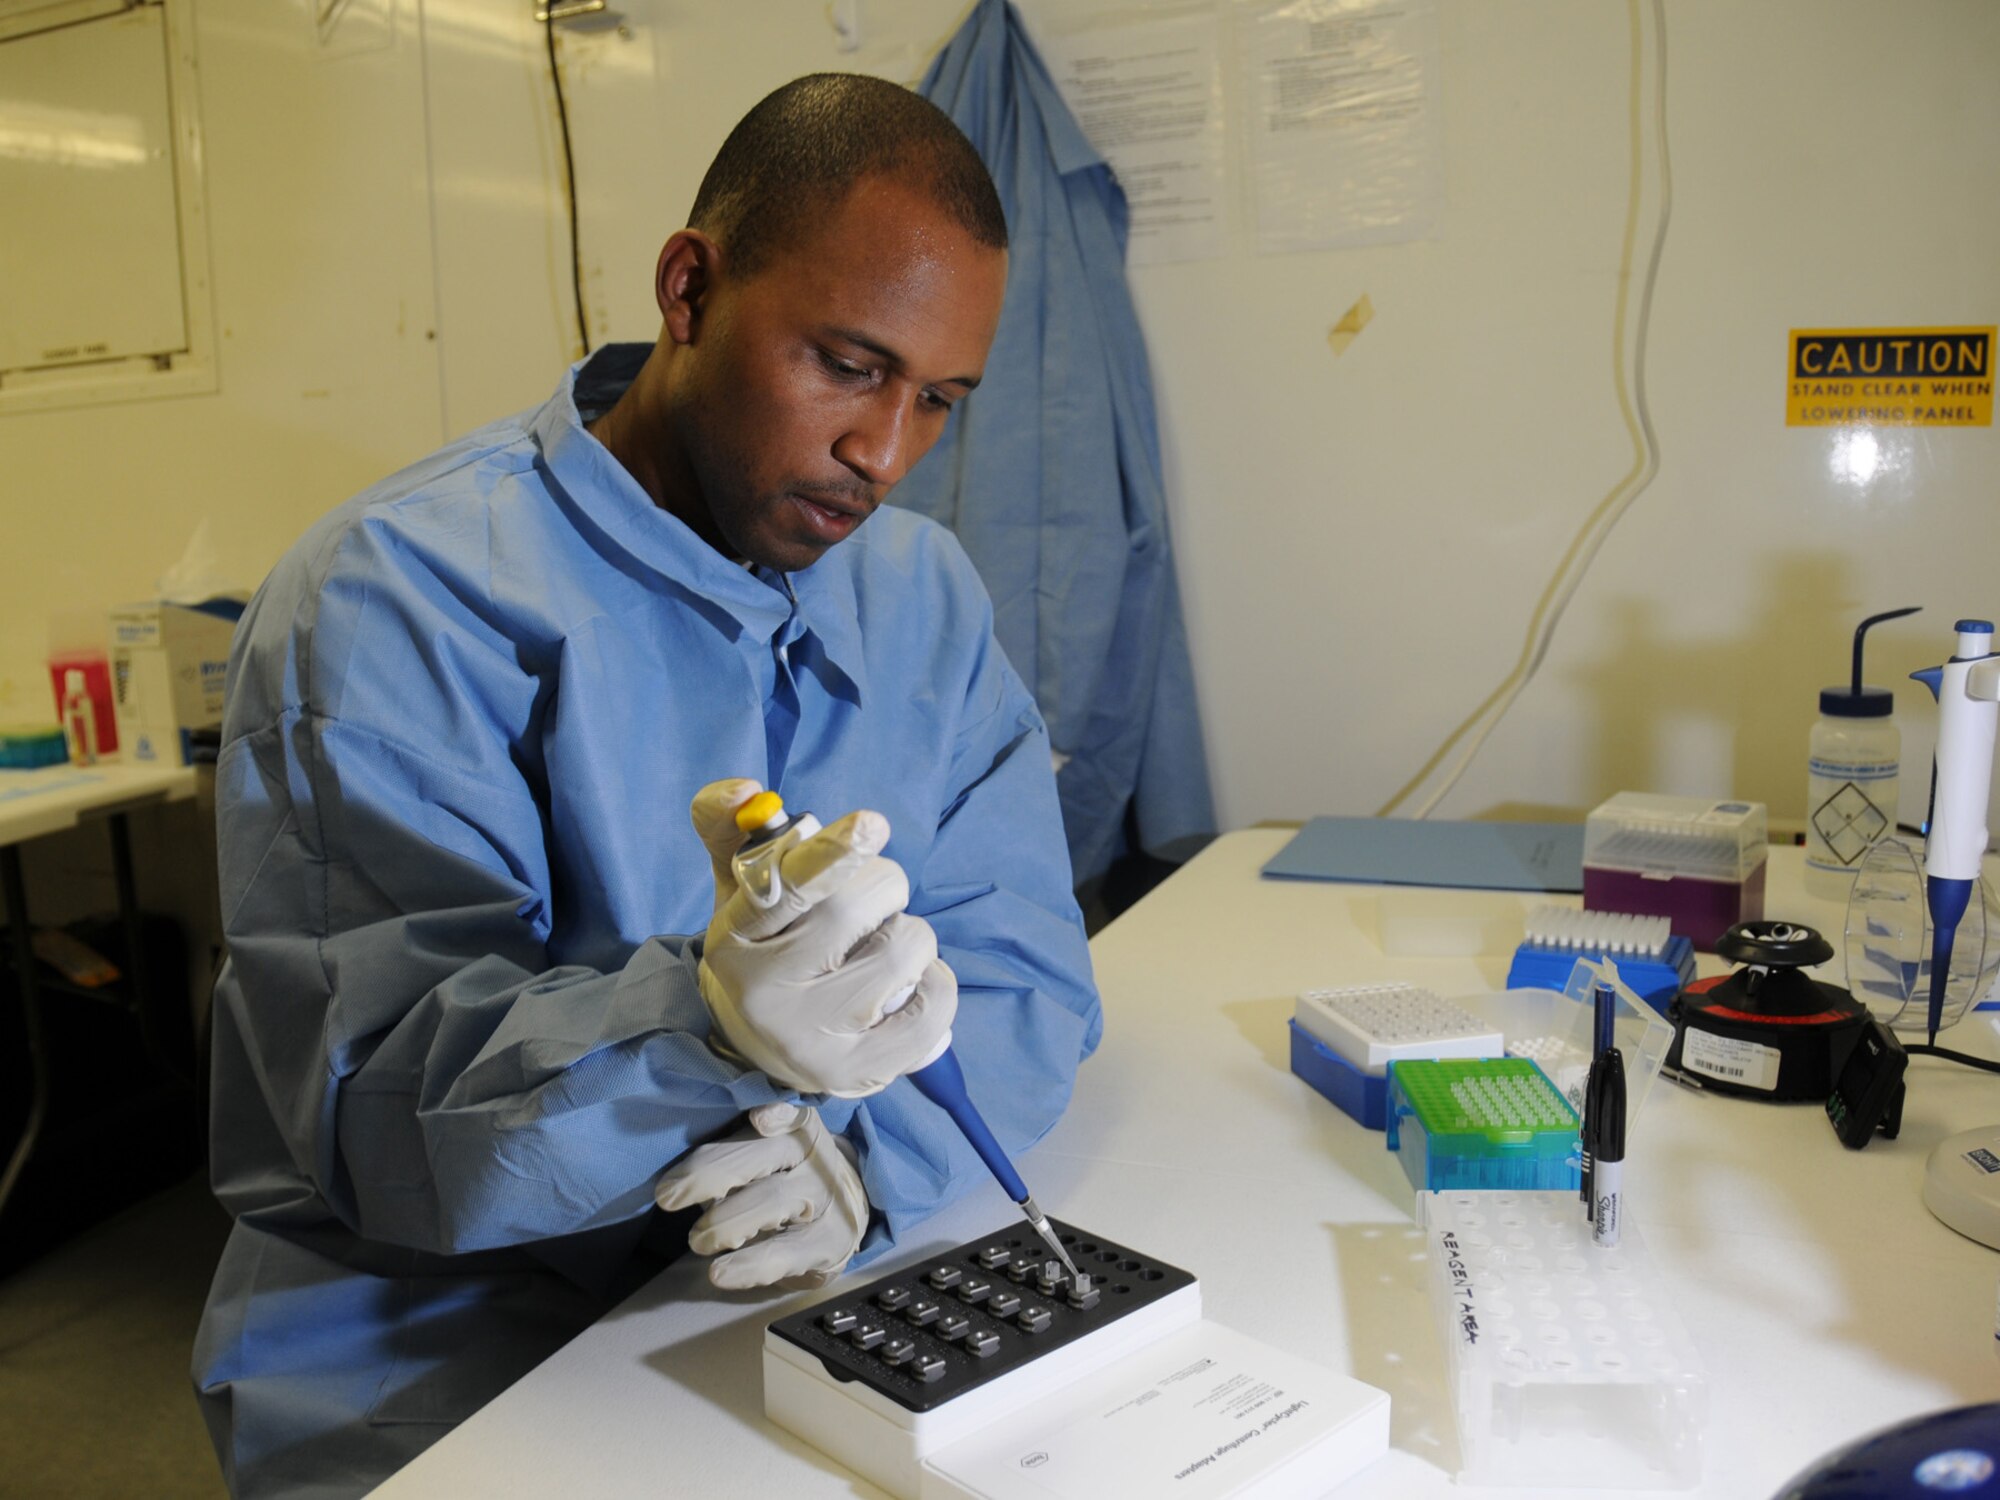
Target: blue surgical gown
x=458 y=1036
x=1052 y=478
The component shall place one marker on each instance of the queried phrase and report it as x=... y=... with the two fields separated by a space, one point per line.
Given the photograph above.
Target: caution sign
x=1890 y=377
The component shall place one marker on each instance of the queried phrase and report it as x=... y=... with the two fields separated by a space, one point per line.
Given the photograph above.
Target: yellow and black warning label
x=1890 y=377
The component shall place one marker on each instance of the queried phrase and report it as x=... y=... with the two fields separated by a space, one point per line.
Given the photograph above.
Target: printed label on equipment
x=1853 y=770
x=1202 y=1414
x=1983 y=1159
x=1730 y=813
x=1750 y=1064
x=1890 y=377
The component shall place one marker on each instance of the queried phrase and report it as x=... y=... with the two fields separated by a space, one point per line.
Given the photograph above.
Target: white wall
x=320 y=251
x=1362 y=539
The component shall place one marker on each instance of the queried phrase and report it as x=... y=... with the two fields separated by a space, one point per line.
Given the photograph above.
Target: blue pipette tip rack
x=1655 y=980
x=1344 y=1039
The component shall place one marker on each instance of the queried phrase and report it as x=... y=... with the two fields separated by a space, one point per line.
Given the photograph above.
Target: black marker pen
x=1602 y=1018
x=1588 y=1133
x=1608 y=1152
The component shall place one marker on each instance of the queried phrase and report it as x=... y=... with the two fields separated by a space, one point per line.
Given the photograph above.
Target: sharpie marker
x=1588 y=1137
x=1603 y=1018
x=1607 y=1160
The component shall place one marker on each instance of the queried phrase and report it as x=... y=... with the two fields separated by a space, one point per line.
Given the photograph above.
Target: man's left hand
x=786 y=1200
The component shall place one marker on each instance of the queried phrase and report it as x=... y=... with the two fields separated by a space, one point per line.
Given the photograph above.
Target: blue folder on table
x=1406 y=851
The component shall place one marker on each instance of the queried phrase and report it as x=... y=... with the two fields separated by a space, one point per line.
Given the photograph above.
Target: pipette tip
x=1040 y=1222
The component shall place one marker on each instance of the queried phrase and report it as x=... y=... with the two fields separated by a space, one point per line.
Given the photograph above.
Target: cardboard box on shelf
x=167 y=667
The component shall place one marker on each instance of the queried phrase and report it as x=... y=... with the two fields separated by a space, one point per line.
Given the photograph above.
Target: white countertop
x=52 y=798
x=1824 y=1300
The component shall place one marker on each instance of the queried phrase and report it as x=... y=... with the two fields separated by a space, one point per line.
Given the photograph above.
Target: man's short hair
x=806 y=145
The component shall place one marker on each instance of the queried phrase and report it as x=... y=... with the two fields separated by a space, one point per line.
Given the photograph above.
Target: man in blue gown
x=486 y=985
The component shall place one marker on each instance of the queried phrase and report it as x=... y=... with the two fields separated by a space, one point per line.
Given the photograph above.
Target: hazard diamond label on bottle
x=1849 y=823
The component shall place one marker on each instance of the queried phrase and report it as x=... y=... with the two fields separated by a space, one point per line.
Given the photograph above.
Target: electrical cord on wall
x=569 y=185
x=1584 y=547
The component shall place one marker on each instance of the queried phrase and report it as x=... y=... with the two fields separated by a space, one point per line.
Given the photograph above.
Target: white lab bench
x=1824 y=1299
x=34 y=804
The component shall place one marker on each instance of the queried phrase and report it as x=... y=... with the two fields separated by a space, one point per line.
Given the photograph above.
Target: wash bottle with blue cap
x=771 y=833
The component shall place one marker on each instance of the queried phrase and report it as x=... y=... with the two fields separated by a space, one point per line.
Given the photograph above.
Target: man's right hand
x=802 y=990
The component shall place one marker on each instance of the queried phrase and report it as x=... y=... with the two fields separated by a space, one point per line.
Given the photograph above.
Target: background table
x=49 y=800
x=1825 y=1301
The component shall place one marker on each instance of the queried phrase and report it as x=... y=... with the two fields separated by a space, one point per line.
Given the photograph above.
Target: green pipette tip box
x=1481 y=1123
x=28 y=747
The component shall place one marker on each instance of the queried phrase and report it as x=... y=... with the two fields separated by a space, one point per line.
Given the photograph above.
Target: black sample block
x=938 y=1353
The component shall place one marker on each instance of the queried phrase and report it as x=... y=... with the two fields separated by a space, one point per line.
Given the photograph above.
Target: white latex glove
x=714 y=814
x=805 y=991
x=787 y=1199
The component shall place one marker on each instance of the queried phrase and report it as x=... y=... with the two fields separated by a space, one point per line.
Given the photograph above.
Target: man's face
x=814 y=385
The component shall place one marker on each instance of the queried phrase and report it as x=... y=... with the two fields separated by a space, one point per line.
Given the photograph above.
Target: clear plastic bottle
x=1853 y=770
x=1852 y=774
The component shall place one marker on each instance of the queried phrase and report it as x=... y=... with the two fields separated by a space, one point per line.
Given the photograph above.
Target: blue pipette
x=1966 y=689
x=940 y=1079
x=943 y=1083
